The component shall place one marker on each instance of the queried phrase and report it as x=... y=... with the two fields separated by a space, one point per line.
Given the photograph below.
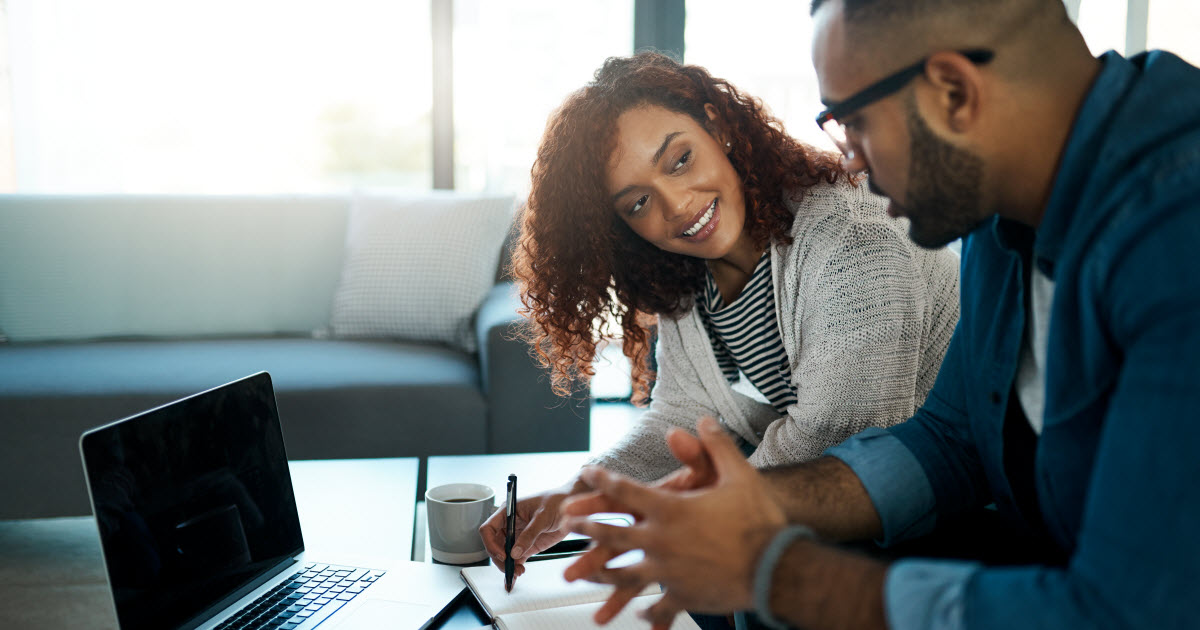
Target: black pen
x=510 y=535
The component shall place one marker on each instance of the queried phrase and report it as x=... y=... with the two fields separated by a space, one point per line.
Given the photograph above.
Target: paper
x=580 y=618
x=542 y=586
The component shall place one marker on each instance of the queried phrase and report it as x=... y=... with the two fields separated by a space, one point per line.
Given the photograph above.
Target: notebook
x=542 y=600
x=199 y=528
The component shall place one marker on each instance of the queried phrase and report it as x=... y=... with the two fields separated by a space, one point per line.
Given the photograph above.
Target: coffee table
x=536 y=472
x=358 y=512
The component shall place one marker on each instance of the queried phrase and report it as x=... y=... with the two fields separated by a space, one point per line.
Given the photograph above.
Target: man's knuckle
x=626 y=578
x=658 y=538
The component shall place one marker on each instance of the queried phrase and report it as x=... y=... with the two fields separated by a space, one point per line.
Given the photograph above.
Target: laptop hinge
x=206 y=615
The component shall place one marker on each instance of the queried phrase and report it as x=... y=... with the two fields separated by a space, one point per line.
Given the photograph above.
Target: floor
x=52 y=560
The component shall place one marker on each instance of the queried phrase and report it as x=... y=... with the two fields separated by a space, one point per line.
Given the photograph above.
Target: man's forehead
x=838 y=62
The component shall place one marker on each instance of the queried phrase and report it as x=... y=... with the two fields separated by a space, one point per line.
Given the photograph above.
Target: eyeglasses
x=828 y=119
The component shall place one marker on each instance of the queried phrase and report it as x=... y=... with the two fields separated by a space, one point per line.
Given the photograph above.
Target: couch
x=111 y=304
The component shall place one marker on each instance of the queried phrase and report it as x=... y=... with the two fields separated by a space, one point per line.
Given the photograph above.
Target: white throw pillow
x=418 y=268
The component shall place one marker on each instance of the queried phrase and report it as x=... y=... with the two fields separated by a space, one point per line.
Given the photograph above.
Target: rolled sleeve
x=894 y=480
x=927 y=594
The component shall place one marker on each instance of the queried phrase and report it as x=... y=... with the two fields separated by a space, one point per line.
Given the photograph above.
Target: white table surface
x=536 y=472
x=357 y=511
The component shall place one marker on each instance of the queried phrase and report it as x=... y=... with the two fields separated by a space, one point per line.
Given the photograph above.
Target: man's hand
x=696 y=472
x=702 y=530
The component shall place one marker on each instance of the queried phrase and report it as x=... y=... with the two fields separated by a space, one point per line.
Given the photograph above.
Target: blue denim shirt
x=1117 y=465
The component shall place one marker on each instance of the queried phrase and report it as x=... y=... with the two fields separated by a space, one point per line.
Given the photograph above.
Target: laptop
x=199 y=528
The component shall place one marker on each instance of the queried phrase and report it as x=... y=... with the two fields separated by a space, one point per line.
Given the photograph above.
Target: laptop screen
x=193 y=500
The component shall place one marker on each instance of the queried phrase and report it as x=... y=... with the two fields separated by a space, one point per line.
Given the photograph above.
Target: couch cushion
x=418 y=269
x=337 y=399
x=188 y=366
x=92 y=266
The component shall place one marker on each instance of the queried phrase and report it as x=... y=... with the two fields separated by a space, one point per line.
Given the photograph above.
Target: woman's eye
x=637 y=205
x=683 y=161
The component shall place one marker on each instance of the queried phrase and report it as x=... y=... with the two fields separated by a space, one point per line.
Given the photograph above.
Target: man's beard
x=944 y=184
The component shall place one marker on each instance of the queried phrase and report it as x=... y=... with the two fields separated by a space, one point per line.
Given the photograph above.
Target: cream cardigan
x=865 y=317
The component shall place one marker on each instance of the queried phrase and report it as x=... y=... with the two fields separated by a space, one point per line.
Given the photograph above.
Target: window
x=300 y=96
x=1102 y=23
x=1131 y=26
x=8 y=174
x=514 y=63
x=225 y=96
x=764 y=48
x=1173 y=25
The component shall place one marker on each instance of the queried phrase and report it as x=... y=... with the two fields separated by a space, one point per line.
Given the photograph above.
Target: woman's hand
x=538 y=525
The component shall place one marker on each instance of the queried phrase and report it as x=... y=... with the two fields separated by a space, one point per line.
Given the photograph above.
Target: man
x=1068 y=400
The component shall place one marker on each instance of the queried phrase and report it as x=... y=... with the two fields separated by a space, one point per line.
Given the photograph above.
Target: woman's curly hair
x=579 y=264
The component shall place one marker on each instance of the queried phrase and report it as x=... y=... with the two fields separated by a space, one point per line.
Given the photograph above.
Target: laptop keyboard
x=318 y=590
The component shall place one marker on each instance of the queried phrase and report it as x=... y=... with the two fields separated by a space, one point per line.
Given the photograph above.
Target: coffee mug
x=456 y=510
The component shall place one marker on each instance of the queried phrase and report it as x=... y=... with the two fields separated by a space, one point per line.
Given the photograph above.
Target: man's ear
x=714 y=128
x=958 y=89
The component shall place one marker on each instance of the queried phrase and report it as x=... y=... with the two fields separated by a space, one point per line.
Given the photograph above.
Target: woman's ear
x=714 y=129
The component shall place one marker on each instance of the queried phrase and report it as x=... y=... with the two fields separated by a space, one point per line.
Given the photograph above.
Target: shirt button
x=995 y=398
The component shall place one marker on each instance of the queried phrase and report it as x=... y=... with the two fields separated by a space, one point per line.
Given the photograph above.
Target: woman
x=788 y=305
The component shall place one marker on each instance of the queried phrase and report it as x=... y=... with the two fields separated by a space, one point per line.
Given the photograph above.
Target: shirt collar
x=1012 y=235
x=1078 y=158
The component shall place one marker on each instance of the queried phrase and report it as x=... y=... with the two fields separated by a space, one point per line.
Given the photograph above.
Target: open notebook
x=542 y=600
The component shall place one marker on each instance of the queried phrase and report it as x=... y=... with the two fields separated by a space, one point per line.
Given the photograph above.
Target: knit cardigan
x=865 y=317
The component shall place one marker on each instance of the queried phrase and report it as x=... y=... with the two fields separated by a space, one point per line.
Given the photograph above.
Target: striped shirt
x=745 y=335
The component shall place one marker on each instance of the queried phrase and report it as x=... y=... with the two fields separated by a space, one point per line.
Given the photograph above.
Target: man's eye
x=683 y=161
x=637 y=205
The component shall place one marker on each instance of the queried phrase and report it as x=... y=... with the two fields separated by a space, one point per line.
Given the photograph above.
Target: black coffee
x=458 y=500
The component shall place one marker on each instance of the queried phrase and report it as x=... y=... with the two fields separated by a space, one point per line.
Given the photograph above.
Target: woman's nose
x=676 y=203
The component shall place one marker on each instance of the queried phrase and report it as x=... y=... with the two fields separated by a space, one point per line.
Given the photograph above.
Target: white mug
x=455 y=511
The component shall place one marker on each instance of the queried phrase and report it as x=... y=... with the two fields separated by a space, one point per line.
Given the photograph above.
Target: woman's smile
x=703 y=224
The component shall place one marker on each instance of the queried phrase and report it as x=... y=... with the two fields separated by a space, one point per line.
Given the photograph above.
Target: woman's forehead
x=651 y=118
x=643 y=132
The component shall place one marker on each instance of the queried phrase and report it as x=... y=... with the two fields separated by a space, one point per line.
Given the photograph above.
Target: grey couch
x=114 y=304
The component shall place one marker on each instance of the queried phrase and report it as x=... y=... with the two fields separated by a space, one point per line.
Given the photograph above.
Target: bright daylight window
x=224 y=96
x=514 y=63
x=1170 y=25
x=1173 y=26
x=1102 y=23
x=764 y=48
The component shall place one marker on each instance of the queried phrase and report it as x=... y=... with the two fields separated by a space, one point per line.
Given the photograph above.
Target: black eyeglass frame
x=890 y=85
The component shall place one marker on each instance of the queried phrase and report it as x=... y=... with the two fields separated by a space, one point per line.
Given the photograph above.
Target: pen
x=510 y=535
